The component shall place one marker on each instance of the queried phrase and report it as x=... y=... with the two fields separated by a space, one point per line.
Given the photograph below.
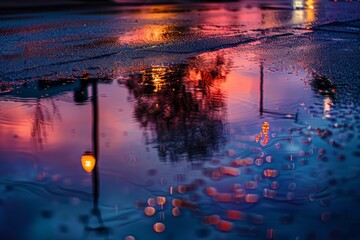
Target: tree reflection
x=43 y=119
x=326 y=88
x=323 y=85
x=183 y=105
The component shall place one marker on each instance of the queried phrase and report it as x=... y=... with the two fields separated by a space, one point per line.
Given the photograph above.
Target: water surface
x=193 y=140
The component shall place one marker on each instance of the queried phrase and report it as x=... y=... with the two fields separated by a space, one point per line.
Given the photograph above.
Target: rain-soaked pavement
x=235 y=120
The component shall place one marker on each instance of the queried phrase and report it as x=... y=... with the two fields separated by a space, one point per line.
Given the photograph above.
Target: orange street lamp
x=88 y=161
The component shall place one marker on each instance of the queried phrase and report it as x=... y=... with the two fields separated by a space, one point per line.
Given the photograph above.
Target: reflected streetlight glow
x=150 y=34
x=298 y=4
x=264 y=133
x=88 y=161
x=310 y=4
x=305 y=13
x=158 y=77
x=327 y=107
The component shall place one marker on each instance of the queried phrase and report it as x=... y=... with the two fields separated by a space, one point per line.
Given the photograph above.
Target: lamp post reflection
x=263 y=110
x=261 y=105
x=90 y=163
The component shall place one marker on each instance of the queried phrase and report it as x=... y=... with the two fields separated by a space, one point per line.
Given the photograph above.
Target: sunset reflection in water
x=264 y=134
x=175 y=140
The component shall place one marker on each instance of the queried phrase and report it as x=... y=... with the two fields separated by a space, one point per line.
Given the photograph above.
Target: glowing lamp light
x=88 y=161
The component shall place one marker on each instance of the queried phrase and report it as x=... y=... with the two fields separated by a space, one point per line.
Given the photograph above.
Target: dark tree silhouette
x=323 y=85
x=183 y=105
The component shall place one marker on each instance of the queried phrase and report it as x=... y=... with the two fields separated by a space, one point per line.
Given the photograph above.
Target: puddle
x=156 y=123
x=217 y=147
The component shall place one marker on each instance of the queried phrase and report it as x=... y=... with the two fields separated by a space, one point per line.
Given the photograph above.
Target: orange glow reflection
x=224 y=226
x=149 y=211
x=151 y=202
x=212 y=219
x=251 y=198
x=243 y=161
x=211 y=191
x=302 y=14
x=264 y=133
x=157 y=74
x=231 y=171
x=88 y=162
x=160 y=200
x=151 y=34
x=176 y=211
x=327 y=107
x=270 y=173
x=176 y=202
x=159 y=227
x=235 y=215
x=310 y=4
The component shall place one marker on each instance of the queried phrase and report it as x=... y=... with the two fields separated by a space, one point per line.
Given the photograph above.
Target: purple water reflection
x=184 y=151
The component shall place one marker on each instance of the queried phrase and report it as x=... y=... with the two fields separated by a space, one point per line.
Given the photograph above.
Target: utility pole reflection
x=261 y=105
x=261 y=101
x=100 y=229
